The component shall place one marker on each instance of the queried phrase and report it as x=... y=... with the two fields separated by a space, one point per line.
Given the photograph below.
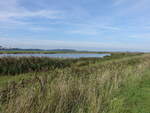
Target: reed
x=92 y=88
x=12 y=65
x=20 y=65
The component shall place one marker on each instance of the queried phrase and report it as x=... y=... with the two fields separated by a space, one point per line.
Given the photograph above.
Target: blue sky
x=116 y=25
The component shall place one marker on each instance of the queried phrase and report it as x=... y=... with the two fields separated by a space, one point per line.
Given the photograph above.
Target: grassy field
x=115 y=84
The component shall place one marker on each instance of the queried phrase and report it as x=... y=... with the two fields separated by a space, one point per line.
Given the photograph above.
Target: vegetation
x=43 y=52
x=57 y=51
x=31 y=52
x=13 y=66
x=116 y=84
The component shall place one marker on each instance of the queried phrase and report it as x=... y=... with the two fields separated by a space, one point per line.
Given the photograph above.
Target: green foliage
x=19 y=65
x=12 y=66
x=136 y=94
x=86 y=86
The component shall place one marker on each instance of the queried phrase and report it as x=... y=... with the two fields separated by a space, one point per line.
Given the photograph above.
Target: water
x=57 y=55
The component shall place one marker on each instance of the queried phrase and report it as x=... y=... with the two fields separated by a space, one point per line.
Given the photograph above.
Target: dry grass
x=88 y=89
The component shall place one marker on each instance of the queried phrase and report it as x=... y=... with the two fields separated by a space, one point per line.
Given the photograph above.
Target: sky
x=98 y=25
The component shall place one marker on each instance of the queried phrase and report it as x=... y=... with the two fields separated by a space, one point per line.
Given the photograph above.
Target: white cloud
x=142 y=35
x=91 y=28
x=9 y=5
x=37 y=28
x=132 y=7
x=53 y=44
x=83 y=31
x=12 y=13
x=118 y=2
x=14 y=16
x=26 y=14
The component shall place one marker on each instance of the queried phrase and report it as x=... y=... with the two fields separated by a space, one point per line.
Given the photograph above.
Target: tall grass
x=87 y=89
x=12 y=65
x=19 y=65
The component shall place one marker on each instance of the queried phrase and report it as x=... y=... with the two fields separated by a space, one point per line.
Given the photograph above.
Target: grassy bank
x=13 y=66
x=134 y=96
x=19 y=65
x=111 y=85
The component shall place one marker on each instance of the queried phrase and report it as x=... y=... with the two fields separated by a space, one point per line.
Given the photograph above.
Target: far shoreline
x=52 y=52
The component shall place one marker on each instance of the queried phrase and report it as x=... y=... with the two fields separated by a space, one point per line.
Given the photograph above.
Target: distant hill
x=68 y=50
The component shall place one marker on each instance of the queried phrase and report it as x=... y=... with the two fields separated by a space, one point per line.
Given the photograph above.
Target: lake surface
x=56 y=55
